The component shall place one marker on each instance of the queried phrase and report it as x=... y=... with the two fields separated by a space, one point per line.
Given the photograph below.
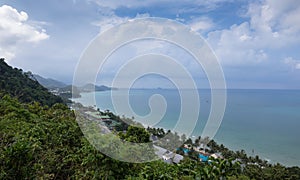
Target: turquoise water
x=264 y=121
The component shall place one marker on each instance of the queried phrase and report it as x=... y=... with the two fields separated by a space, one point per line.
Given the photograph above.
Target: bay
x=262 y=122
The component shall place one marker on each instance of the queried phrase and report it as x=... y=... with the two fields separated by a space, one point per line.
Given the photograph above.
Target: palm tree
x=198 y=141
x=205 y=141
x=183 y=138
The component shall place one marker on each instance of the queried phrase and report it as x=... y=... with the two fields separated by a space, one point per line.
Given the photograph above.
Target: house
x=171 y=157
x=159 y=151
x=216 y=156
x=177 y=158
x=153 y=138
x=203 y=147
x=167 y=156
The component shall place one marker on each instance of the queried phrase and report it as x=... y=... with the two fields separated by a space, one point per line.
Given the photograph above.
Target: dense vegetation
x=42 y=140
x=21 y=85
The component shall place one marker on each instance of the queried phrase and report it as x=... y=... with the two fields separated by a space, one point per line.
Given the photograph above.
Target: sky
x=256 y=42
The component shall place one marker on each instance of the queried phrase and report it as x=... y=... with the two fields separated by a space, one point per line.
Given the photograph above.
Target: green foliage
x=136 y=135
x=35 y=139
x=38 y=142
x=23 y=86
x=167 y=139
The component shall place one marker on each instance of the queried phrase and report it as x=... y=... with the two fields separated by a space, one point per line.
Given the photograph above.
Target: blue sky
x=256 y=42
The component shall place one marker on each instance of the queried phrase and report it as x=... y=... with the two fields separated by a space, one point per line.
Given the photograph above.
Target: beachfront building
x=167 y=156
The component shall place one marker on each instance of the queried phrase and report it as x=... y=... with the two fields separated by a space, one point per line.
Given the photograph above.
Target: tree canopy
x=22 y=86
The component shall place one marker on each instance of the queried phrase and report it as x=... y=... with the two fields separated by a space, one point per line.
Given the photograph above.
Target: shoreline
x=235 y=139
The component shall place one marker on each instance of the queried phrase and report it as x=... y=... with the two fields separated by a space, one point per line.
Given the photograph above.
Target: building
x=167 y=156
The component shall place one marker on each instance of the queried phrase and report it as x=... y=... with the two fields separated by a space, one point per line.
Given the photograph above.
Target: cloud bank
x=17 y=30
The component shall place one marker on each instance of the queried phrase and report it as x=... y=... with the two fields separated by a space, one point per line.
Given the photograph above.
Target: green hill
x=22 y=85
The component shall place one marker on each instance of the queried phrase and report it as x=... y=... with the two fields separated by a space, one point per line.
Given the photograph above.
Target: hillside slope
x=48 y=82
x=22 y=85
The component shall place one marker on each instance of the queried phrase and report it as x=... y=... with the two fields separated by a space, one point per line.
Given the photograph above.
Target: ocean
x=261 y=122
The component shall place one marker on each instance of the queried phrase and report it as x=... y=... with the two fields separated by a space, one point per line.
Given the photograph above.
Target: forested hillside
x=22 y=86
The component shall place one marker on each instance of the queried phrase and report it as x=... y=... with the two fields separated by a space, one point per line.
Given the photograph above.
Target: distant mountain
x=67 y=91
x=91 y=87
x=21 y=85
x=48 y=82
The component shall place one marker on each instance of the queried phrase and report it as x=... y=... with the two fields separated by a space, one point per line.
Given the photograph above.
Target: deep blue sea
x=262 y=122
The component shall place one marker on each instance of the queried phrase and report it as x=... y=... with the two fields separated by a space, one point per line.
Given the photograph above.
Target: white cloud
x=113 y=4
x=201 y=24
x=294 y=64
x=237 y=45
x=109 y=20
x=15 y=30
x=272 y=25
x=276 y=19
x=106 y=23
x=145 y=15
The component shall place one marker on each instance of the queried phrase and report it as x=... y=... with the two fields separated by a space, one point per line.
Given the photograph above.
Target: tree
x=136 y=135
x=183 y=137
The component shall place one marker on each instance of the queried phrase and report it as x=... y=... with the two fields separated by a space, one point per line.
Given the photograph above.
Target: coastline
x=235 y=131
